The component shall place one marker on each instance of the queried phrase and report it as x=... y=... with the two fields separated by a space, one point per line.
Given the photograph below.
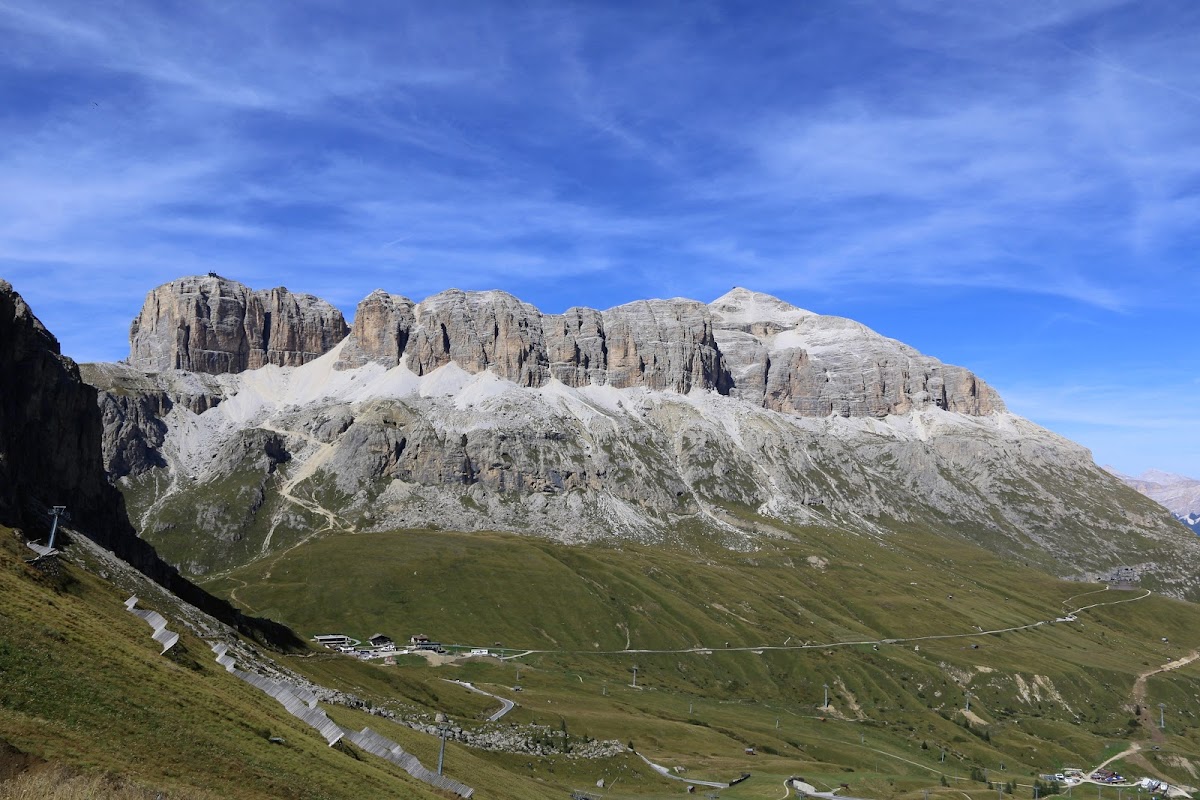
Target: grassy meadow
x=1042 y=698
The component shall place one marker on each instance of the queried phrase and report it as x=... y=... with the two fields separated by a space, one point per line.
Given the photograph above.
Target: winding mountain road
x=667 y=773
x=506 y=704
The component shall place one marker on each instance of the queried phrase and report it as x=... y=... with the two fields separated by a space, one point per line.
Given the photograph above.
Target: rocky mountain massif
x=50 y=454
x=216 y=326
x=659 y=420
x=1177 y=493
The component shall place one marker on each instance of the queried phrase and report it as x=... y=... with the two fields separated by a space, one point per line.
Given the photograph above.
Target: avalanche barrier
x=302 y=704
x=155 y=620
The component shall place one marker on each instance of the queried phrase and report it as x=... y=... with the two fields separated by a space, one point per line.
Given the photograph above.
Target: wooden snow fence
x=385 y=748
x=302 y=704
x=155 y=620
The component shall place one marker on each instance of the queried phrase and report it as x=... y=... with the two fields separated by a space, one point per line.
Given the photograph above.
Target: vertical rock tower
x=214 y=325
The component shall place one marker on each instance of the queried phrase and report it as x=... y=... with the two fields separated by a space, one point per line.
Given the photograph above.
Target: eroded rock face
x=213 y=325
x=648 y=421
x=382 y=325
x=479 y=331
x=791 y=360
x=751 y=346
x=134 y=409
x=664 y=345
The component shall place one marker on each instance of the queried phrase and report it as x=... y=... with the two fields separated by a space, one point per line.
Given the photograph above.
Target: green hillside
x=82 y=684
x=83 y=687
x=1046 y=697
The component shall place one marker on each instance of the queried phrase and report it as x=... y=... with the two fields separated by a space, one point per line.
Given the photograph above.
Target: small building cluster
x=422 y=642
x=1072 y=777
x=1122 y=575
x=336 y=641
x=381 y=645
x=1154 y=785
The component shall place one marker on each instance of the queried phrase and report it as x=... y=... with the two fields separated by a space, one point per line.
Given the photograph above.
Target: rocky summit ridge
x=751 y=346
x=658 y=420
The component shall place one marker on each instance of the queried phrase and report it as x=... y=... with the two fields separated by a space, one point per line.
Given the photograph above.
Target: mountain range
x=1179 y=494
x=820 y=596
x=244 y=422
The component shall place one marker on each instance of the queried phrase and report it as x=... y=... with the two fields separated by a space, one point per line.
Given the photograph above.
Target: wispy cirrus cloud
x=916 y=161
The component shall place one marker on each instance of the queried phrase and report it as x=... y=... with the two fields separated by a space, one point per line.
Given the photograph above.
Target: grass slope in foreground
x=82 y=685
x=1042 y=698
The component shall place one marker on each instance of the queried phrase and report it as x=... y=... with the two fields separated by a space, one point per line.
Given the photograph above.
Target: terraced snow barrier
x=288 y=695
x=155 y=620
x=302 y=704
x=386 y=749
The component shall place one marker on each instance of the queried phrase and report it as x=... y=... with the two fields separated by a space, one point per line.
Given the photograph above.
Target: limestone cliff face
x=665 y=345
x=791 y=360
x=651 y=420
x=382 y=326
x=479 y=331
x=751 y=346
x=213 y=325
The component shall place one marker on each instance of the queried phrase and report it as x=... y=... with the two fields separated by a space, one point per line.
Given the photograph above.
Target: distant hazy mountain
x=1177 y=493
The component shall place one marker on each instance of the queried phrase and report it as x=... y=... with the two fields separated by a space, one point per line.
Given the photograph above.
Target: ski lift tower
x=57 y=511
x=47 y=550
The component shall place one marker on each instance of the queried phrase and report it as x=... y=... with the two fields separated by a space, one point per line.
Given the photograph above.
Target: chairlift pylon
x=47 y=550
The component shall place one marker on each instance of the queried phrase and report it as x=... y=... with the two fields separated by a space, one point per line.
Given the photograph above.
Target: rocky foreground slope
x=50 y=454
x=658 y=420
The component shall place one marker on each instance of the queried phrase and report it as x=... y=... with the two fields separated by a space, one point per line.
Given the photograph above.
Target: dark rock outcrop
x=50 y=454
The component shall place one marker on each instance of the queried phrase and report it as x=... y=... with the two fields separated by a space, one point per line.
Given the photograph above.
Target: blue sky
x=1014 y=186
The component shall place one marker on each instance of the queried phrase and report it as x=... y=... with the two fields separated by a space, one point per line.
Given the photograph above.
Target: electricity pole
x=826 y=696
x=442 y=752
x=1162 y=723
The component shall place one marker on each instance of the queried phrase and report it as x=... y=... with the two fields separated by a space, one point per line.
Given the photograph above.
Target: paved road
x=1068 y=618
x=507 y=706
x=667 y=773
x=808 y=790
